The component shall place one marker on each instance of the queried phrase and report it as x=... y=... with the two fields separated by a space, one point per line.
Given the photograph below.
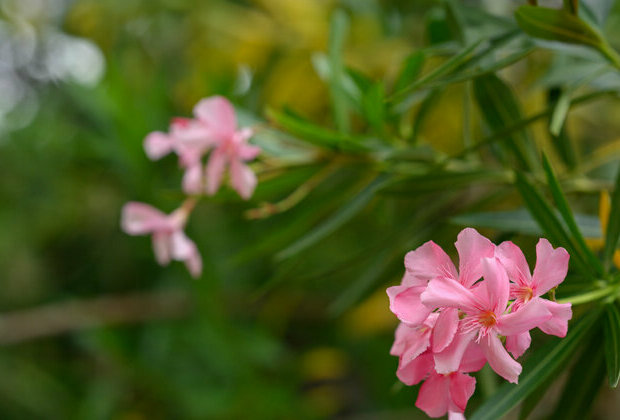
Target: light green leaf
x=613 y=227
x=412 y=66
x=612 y=344
x=541 y=366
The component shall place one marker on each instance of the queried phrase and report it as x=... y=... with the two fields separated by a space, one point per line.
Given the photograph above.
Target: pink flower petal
x=473 y=359
x=518 y=344
x=499 y=359
x=528 y=316
x=215 y=170
x=514 y=262
x=162 y=248
x=194 y=264
x=429 y=261
x=248 y=152
x=181 y=246
x=447 y=293
x=451 y=357
x=158 y=145
x=415 y=370
x=495 y=284
x=560 y=314
x=551 y=267
x=445 y=328
x=406 y=305
x=192 y=179
x=242 y=179
x=218 y=114
x=453 y=415
x=140 y=219
x=434 y=395
x=472 y=248
x=462 y=387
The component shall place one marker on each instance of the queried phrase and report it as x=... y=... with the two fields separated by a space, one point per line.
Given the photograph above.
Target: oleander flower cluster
x=206 y=146
x=455 y=321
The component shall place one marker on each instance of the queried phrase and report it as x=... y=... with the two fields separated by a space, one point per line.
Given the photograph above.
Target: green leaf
x=571 y=6
x=343 y=215
x=412 y=66
x=537 y=369
x=584 y=382
x=423 y=111
x=498 y=105
x=549 y=223
x=373 y=103
x=613 y=227
x=338 y=29
x=567 y=215
x=556 y=25
x=439 y=181
x=314 y=133
x=521 y=221
x=612 y=344
x=559 y=113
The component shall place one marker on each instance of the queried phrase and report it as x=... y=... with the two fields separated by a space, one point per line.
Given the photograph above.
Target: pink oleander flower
x=429 y=261
x=214 y=126
x=486 y=317
x=169 y=240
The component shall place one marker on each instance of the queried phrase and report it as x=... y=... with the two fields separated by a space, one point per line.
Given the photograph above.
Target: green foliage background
x=402 y=121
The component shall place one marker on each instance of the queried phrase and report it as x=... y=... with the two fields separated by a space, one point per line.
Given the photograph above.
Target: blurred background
x=94 y=328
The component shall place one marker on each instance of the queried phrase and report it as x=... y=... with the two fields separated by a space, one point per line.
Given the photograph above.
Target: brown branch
x=65 y=317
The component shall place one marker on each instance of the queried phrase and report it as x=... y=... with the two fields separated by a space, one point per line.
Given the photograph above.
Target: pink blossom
x=429 y=261
x=169 y=240
x=486 y=318
x=550 y=270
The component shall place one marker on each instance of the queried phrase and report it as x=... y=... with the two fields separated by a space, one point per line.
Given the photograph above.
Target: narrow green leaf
x=571 y=6
x=456 y=20
x=423 y=111
x=343 y=215
x=612 y=344
x=438 y=181
x=339 y=27
x=584 y=382
x=549 y=223
x=314 y=133
x=556 y=25
x=521 y=221
x=567 y=215
x=373 y=103
x=499 y=108
x=613 y=226
x=537 y=369
x=410 y=71
x=559 y=113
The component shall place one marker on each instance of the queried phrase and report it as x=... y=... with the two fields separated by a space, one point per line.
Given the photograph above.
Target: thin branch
x=65 y=317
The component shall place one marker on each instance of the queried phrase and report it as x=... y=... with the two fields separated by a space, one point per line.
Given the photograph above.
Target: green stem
x=591 y=296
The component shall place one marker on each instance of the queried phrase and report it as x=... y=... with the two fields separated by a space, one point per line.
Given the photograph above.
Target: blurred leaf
x=613 y=227
x=337 y=34
x=439 y=181
x=612 y=343
x=537 y=369
x=559 y=113
x=572 y=6
x=423 y=111
x=455 y=19
x=584 y=381
x=556 y=25
x=599 y=8
x=567 y=215
x=498 y=105
x=521 y=221
x=411 y=68
x=314 y=133
x=374 y=107
x=343 y=215
x=549 y=223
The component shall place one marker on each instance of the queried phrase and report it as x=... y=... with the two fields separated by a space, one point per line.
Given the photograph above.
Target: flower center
x=525 y=294
x=487 y=319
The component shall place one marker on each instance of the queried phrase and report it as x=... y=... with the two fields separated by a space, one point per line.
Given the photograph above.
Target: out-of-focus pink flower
x=550 y=270
x=214 y=126
x=169 y=240
x=233 y=149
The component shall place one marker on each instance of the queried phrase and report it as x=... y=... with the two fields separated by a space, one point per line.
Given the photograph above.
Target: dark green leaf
x=545 y=363
x=567 y=215
x=613 y=227
x=549 y=223
x=612 y=344
x=374 y=107
x=439 y=181
x=498 y=105
x=343 y=215
x=584 y=382
x=571 y=6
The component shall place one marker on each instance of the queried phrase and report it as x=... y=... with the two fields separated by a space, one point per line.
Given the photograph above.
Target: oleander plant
x=271 y=209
